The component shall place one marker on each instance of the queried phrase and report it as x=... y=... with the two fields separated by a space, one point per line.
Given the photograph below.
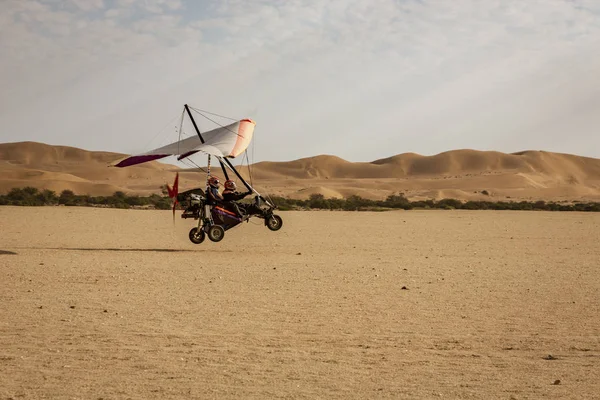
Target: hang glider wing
x=226 y=141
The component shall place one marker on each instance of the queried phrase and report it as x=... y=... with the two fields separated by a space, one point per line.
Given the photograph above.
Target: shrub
x=30 y=196
x=449 y=204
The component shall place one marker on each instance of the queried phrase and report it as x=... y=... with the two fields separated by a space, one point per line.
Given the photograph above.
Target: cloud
x=86 y=5
x=356 y=78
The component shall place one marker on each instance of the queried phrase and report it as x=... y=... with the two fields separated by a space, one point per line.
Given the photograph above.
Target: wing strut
x=224 y=169
x=250 y=188
x=202 y=140
x=194 y=122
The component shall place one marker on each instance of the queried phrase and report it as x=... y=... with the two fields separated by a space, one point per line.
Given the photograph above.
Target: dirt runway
x=118 y=304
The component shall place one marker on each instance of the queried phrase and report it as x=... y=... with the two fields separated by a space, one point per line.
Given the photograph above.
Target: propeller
x=173 y=192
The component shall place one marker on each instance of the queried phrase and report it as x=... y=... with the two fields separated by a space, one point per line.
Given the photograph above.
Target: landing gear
x=216 y=233
x=197 y=236
x=274 y=222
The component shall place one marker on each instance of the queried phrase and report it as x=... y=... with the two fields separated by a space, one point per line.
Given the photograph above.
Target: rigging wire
x=180 y=129
x=161 y=130
x=215 y=122
x=208 y=112
x=248 y=164
x=250 y=173
x=253 y=155
x=187 y=160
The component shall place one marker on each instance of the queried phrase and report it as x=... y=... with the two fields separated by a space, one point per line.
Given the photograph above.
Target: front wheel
x=216 y=233
x=196 y=237
x=274 y=222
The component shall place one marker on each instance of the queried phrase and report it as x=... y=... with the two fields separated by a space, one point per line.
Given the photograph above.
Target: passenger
x=212 y=191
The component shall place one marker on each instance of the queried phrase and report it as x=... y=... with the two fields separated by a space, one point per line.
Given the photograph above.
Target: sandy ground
x=116 y=304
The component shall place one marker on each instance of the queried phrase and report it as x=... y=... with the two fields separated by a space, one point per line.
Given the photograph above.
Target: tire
x=196 y=239
x=216 y=233
x=274 y=222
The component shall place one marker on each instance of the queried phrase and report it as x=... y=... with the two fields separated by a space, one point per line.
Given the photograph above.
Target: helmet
x=230 y=185
x=213 y=181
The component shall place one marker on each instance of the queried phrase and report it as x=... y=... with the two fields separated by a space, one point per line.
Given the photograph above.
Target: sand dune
x=462 y=174
x=456 y=162
x=85 y=172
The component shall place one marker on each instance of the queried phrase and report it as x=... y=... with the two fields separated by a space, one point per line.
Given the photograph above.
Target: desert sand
x=107 y=304
x=458 y=174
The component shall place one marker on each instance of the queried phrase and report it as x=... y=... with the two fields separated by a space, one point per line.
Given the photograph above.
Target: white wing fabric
x=226 y=141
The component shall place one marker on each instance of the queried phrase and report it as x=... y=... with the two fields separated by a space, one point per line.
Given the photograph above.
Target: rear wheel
x=216 y=233
x=195 y=236
x=274 y=222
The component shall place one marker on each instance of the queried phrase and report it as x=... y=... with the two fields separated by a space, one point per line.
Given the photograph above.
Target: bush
x=317 y=201
x=68 y=198
x=397 y=201
x=48 y=197
x=449 y=204
x=30 y=196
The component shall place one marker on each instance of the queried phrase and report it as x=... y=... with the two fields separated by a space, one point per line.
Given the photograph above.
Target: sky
x=359 y=79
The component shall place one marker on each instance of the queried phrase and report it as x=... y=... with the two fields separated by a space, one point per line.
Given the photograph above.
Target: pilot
x=231 y=195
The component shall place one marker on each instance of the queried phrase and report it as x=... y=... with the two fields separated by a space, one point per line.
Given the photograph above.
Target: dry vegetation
x=107 y=303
